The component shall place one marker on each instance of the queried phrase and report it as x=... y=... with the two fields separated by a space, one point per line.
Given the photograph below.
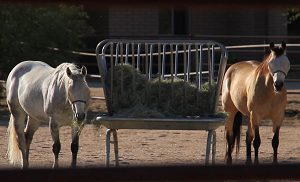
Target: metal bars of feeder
x=147 y=50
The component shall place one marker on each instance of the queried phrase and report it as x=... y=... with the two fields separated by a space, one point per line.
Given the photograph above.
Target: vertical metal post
x=122 y=71
x=147 y=71
x=127 y=53
x=111 y=73
x=184 y=73
x=172 y=74
x=176 y=60
x=138 y=56
x=200 y=65
x=107 y=147
x=117 y=53
x=208 y=145
x=197 y=73
x=209 y=77
x=189 y=62
x=133 y=67
x=159 y=74
x=213 y=151
x=163 y=62
x=116 y=146
x=151 y=62
x=213 y=62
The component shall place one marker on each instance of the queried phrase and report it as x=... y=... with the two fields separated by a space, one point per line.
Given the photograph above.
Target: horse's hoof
x=248 y=162
x=275 y=162
x=55 y=167
x=256 y=162
x=229 y=161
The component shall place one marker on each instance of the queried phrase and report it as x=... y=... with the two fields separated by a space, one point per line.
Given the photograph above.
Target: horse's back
x=238 y=73
x=25 y=67
x=25 y=84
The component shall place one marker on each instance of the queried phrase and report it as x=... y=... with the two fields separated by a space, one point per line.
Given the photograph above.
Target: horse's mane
x=263 y=66
x=60 y=72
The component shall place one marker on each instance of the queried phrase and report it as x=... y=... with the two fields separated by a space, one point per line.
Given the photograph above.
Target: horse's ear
x=83 y=70
x=283 y=45
x=272 y=46
x=69 y=72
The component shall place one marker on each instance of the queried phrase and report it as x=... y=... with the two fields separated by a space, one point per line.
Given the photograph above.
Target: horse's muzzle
x=278 y=85
x=80 y=116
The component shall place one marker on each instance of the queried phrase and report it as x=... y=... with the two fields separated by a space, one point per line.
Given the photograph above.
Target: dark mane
x=263 y=66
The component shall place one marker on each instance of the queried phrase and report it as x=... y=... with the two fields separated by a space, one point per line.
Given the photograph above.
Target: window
x=173 y=22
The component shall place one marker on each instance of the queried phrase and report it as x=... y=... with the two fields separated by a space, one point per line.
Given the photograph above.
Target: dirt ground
x=153 y=147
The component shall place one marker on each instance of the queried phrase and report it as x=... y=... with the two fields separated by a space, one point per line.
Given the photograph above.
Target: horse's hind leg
x=230 y=137
x=31 y=128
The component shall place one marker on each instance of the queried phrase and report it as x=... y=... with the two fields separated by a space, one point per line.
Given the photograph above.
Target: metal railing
x=125 y=51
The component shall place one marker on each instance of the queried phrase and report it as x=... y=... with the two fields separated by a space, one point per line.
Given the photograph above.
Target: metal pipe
x=139 y=56
x=117 y=53
x=163 y=62
x=127 y=53
x=189 y=63
x=151 y=62
x=176 y=60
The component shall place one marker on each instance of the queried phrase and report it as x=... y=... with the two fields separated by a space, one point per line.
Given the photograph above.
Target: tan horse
x=257 y=90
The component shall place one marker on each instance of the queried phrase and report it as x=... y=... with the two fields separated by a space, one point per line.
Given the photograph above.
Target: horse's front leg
x=54 y=129
x=275 y=143
x=255 y=120
x=249 y=138
x=277 y=122
x=74 y=145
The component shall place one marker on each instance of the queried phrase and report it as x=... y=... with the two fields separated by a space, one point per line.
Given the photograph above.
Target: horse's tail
x=237 y=123
x=13 y=151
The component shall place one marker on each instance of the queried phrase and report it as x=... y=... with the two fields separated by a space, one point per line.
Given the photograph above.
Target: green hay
x=163 y=100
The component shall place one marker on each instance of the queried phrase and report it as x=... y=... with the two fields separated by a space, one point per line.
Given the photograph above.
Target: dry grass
x=135 y=96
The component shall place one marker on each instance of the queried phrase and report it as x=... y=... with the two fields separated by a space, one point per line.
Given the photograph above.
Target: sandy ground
x=153 y=147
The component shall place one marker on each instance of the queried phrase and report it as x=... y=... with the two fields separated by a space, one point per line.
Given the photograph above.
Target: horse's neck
x=265 y=79
x=60 y=88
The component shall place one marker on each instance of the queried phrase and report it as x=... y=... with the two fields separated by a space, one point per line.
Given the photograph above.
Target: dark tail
x=237 y=129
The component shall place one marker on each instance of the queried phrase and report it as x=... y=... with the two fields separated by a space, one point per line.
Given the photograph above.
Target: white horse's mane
x=60 y=71
x=60 y=75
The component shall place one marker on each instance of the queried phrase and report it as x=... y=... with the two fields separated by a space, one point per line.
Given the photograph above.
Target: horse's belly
x=35 y=110
x=239 y=98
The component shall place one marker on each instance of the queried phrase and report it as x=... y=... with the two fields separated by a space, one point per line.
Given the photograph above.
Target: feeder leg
x=214 y=147
x=208 y=145
x=107 y=147
x=116 y=147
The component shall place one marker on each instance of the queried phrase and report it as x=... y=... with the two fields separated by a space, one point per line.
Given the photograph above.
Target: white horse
x=58 y=96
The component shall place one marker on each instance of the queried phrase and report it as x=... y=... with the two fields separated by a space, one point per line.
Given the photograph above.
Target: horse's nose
x=80 y=116
x=278 y=85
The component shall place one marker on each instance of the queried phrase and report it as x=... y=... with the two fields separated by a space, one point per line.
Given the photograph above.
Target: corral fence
x=260 y=49
x=240 y=48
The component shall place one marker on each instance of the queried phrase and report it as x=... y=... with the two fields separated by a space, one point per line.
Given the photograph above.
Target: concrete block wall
x=133 y=21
